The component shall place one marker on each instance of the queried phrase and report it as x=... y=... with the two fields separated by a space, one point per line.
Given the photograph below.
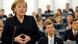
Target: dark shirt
x=27 y=27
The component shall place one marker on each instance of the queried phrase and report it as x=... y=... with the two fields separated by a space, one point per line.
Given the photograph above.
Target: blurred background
x=33 y=5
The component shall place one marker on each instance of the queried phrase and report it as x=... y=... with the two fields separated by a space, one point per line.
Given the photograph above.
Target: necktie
x=75 y=34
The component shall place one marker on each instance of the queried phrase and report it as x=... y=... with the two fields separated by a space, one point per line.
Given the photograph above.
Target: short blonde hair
x=1 y=23
x=15 y=3
x=49 y=22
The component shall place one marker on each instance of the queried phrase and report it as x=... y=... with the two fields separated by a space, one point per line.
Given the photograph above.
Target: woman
x=69 y=22
x=58 y=20
x=20 y=29
x=76 y=14
x=40 y=24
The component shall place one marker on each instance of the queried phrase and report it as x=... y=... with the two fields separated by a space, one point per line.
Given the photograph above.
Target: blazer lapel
x=46 y=40
x=55 y=40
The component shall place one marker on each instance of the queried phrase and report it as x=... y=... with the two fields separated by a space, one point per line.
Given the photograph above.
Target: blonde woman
x=58 y=19
x=20 y=29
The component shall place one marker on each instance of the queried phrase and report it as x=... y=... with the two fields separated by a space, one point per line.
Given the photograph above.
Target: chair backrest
x=69 y=42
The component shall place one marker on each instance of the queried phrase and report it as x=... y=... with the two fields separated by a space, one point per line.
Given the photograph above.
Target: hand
x=18 y=39
x=27 y=39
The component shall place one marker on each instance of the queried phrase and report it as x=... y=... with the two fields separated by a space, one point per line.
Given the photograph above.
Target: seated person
x=50 y=38
x=76 y=8
x=2 y=15
x=67 y=11
x=69 y=21
x=72 y=34
x=1 y=30
x=40 y=12
x=48 y=11
x=58 y=22
x=76 y=14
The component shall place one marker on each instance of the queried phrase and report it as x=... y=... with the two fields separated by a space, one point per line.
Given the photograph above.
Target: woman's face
x=76 y=13
x=20 y=8
x=69 y=19
x=58 y=13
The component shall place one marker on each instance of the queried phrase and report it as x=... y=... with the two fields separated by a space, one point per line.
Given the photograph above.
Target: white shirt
x=74 y=32
x=50 y=40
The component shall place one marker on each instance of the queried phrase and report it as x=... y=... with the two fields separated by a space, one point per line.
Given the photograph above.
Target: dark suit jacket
x=69 y=35
x=44 y=40
x=14 y=28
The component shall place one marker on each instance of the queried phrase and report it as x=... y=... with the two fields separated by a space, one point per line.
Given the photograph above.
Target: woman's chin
x=21 y=14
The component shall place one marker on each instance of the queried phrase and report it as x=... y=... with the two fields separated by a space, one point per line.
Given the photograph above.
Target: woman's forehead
x=20 y=3
x=49 y=25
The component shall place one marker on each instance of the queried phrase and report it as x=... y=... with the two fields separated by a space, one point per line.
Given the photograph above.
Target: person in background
x=48 y=11
x=58 y=23
x=2 y=15
x=40 y=24
x=20 y=29
x=58 y=20
x=76 y=8
x=50 y=37
x=40 y=12
x=58 y=12
x=67 y=11
x=67 y=7
x=72 y=34
x=76 y=14
x=34 y=14
x=68 y=24
x=1 y=30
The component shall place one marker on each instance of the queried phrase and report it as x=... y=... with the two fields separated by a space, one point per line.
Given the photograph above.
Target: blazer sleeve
x=35 y=37
x=40 y=41
x=60 y=41
x=65 y=35
x=7 y=34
